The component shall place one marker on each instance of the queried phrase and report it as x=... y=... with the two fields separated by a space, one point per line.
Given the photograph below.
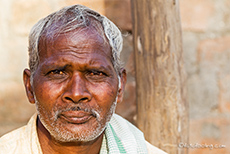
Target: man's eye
x=58 y=72
x=96 y=73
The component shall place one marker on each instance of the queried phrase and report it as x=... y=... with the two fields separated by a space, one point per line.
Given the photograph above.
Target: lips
x=76 y=117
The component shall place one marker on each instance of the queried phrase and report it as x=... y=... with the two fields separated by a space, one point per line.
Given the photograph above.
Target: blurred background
x=206 y=45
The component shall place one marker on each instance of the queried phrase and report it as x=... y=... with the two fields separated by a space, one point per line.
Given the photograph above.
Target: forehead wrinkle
x=92 y=29
x=76 y=42
x=93 y=25
x=73 y=39
x=60 y=61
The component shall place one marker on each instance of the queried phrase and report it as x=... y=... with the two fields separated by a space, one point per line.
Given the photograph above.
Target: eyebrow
x=99 y=66
x=50 y=66
x=92 y=64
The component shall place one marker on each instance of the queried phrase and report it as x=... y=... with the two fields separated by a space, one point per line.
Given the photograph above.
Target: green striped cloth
x=122 y=137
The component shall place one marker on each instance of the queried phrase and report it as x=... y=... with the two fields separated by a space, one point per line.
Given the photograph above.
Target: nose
x=76 y=90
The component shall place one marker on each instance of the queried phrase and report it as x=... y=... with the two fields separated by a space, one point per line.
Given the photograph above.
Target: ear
x=28 y=86
x=122 y=86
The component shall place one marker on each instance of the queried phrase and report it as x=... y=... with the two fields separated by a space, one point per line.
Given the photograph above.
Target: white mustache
x=78 y=107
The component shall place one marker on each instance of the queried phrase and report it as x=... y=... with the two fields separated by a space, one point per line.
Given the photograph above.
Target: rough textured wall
x=206 y=32
x=206 y=36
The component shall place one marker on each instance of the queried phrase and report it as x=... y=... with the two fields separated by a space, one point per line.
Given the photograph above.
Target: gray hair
x=68 y=19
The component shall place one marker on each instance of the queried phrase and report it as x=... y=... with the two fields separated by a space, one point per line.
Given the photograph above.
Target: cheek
x=105 y=94
x=47 y=93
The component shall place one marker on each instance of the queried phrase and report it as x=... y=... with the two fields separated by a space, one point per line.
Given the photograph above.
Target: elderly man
x=75 y=80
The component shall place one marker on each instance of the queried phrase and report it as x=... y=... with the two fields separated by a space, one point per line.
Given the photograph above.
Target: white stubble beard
x=68 y=136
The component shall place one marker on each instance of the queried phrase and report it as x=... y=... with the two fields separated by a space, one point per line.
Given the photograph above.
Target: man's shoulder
x=153 y=150
x=121 y=121
x=13 y=136
x=13 y=139
x=18 y=141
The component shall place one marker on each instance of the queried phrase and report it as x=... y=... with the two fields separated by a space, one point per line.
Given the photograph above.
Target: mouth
x=76 y=117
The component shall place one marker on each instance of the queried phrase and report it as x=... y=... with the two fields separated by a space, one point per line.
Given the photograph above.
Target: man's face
x=75 y=86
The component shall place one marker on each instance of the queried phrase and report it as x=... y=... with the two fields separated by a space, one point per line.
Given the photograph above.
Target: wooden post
x=162 y=110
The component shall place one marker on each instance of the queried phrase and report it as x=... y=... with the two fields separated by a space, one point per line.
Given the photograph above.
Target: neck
x=50 y=146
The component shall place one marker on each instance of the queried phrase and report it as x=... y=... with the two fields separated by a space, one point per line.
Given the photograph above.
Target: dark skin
x=74 y=69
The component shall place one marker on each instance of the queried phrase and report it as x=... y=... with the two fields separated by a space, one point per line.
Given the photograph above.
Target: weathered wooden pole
x=162 y=109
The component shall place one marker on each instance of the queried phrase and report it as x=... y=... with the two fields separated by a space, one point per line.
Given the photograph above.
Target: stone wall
x=206 y=39
x=206 y=36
